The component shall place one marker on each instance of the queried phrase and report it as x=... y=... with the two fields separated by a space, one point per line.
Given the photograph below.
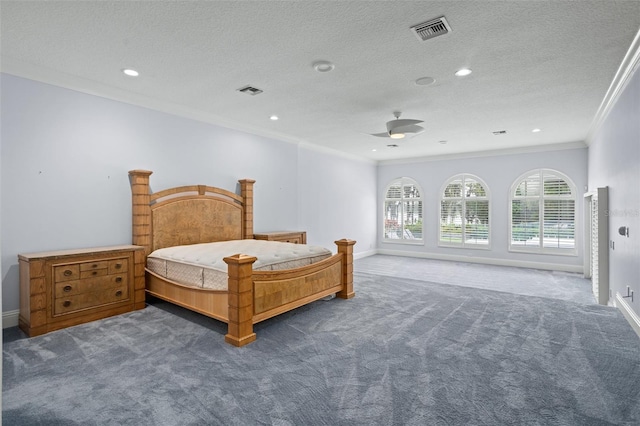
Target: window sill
x=405 y=242
x=469 y=246
x=548 y=252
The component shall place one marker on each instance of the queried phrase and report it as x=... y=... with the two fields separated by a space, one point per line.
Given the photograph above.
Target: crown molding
x=489 y=153
x=625 y=71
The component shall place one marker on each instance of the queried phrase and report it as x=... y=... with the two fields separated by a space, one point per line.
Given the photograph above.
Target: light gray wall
x=349 y=207
x=614 y=161
x=65 y=157
x=499 y=172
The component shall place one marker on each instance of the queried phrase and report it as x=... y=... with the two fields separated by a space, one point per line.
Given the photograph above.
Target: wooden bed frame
x=199 y=214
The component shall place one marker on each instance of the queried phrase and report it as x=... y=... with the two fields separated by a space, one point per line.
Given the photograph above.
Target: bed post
x=240 y=294
x=346 y=248
x=141 y=210
x=246 y=191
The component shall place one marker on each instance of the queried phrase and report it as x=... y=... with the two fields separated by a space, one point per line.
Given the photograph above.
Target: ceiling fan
x=398 y=129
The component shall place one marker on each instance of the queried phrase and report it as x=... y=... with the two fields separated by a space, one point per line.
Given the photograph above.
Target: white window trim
x=540 y=249
x=462 y=244
x=403 y=180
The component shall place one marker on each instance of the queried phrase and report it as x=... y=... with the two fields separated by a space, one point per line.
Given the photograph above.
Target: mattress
x=201 y=265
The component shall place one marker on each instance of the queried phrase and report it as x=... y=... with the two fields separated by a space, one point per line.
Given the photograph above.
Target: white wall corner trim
x=626 y=70
x=486 y=261
x=10 y=318
x=628 y=313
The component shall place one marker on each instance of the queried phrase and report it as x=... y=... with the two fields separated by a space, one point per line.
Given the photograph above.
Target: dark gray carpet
x=401 y=352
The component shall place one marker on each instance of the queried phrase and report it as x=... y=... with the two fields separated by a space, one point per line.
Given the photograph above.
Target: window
x=543 y=213
x=464 y=212
x=403 y=211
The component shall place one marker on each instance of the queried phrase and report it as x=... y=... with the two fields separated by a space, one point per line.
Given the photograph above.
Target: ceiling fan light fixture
x=400 y=128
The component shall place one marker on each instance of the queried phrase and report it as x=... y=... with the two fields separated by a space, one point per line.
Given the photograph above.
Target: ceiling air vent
x=249 y=90
x=431 y=29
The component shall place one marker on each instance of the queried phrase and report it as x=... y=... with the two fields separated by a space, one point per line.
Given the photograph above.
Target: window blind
x=403 y=211
x=543 y=212
x=464 y=212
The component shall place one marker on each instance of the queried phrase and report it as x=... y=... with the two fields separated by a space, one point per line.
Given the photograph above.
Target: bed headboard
x=188 y=214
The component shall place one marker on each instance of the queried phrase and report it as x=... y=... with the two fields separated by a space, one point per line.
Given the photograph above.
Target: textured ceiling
x=536 y=64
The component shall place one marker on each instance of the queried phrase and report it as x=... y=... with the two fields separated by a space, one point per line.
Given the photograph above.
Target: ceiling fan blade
x=411 y=128
x=380 y=135
x=394 y=124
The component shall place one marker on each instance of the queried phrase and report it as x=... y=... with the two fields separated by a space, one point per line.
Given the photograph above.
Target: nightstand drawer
x=93 y=273
x=66 y=272
x=118 y=266
x=94 y=266
x=66 y=305
x=68 y=288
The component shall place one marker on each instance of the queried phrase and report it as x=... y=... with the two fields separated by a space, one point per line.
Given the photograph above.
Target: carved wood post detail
x=141 y=211
x=346 y=248
x=240 y=294
x=246 y=191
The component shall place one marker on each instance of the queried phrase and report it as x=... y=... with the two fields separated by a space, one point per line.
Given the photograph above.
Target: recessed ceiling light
x=535 y=130
x=323 y=66
x=374 y=150
x=130 y=72
x=463 y=72
x=273 y=117
x=425 y=81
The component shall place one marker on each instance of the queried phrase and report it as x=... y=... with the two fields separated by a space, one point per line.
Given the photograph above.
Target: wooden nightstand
x=296 y=237
x=59 y=289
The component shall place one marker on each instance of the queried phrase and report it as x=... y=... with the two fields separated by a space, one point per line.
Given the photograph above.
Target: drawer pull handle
x=66 y=303
x=118 y=279
x=119 y=293
x=94 y=273
x=67 y=272
x=118 y=265
x=67 y=288
x=95 y=265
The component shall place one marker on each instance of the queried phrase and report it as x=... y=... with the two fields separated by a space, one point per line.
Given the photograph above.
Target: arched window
x=403 y=211
x=542 y=214
x=464 y=212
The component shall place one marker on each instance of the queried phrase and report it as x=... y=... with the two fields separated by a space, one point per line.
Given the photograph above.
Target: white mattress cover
x=201 y=265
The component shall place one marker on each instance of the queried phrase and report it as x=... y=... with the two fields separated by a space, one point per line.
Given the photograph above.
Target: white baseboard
x=362 y=254
x=628 y=313
x=486 y=261
x=10 y=319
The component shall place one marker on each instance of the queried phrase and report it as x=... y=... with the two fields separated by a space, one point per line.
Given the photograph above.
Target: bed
x=197 y=216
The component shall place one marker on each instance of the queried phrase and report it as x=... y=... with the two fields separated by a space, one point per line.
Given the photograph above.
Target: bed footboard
x=257 y=296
